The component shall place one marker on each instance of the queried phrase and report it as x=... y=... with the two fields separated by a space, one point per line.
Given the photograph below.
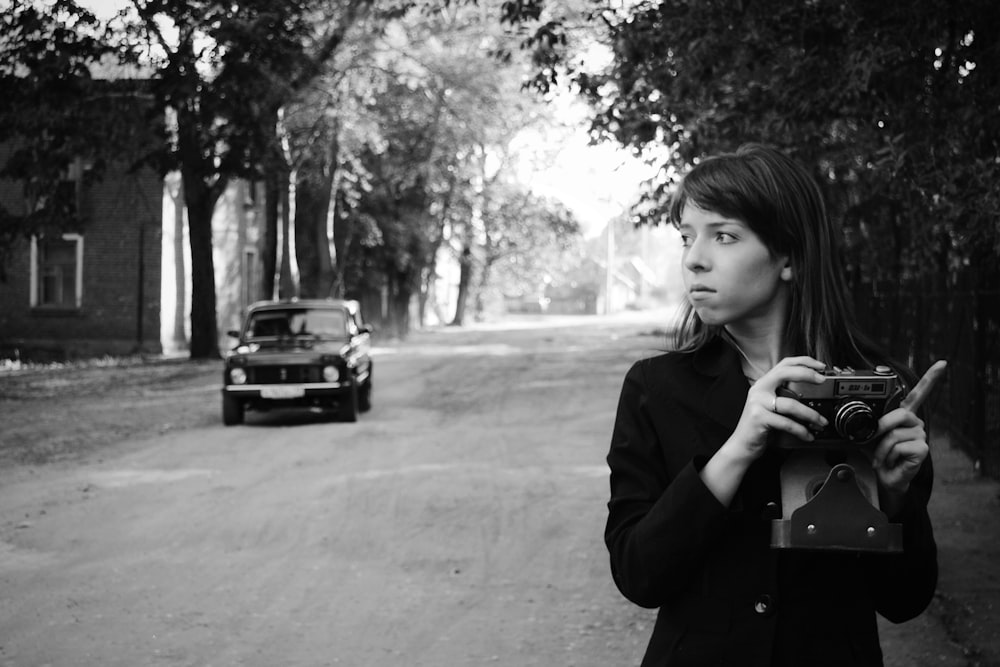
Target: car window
x=323 y=323
x=268 y=324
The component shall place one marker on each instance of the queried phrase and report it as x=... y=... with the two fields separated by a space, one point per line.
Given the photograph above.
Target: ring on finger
x=774 y=404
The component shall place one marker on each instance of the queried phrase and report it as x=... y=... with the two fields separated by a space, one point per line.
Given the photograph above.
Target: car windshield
x=320 y=323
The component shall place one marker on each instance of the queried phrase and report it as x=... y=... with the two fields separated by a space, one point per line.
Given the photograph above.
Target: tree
x=54 y=115
x=417 y=117
x=224 y=71
x=395 y=210
x=525 y=237
x=309 y=53
x=507 y=225
x=894 y=106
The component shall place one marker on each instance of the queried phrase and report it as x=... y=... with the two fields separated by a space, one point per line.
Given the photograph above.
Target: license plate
x=293 y=391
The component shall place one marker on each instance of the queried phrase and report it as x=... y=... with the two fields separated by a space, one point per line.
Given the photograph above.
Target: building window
x=57 y=271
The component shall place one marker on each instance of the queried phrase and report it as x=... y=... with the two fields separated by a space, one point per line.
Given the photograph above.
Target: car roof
x=283 y=304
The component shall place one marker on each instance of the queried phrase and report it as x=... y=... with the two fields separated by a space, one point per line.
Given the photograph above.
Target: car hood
x=299 y=345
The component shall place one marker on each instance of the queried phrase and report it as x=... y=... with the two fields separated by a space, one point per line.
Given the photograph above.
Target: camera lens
x=856 y=422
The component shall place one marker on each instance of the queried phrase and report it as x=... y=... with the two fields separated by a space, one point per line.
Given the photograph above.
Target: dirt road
x=457 y=523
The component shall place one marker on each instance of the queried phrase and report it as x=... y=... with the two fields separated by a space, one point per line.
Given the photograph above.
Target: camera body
x=852 y=401
x=829 y=491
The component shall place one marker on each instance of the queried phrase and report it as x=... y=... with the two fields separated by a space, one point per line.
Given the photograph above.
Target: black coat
x=725 y=597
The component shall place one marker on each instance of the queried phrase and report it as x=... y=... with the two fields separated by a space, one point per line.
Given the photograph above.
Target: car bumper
x=285 y=392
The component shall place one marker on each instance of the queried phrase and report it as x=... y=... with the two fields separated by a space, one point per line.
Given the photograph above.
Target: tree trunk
x=484 y=279
x=180 y=274
x=278 y=259
x=200 y=201
x=306 y=250
x=464 y=281
x=342 y=239
x=269 y=246
x=202 y=188
x=312 y=243
x=324 y=225
x=427 y=281
x=275 y=178
x=288 y=271
x=288 y=280
x=400 y=294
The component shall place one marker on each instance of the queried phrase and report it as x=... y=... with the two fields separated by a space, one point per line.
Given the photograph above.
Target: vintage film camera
x=829 y=492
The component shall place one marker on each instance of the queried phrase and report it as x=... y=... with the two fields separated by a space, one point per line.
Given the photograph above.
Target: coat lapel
x=727 y=389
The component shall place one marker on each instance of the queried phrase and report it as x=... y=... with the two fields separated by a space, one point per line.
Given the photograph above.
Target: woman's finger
x=894 y=439
x=800 y=412
x=788 y=425
x=802 y=361
x=898 y=418
x=778 y=377
x=922 y=389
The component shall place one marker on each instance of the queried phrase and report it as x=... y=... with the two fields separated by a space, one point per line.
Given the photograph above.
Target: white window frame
x=35 y=277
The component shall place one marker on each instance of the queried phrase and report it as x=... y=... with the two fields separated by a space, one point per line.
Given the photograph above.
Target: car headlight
x=237 y=376
x=331 y=373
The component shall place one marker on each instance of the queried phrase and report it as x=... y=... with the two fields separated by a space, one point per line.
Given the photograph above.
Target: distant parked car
x=308 y=353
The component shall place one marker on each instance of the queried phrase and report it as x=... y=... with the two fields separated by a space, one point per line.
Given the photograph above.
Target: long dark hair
x=783 y=205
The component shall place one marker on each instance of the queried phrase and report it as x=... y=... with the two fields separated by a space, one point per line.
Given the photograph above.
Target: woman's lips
x=696 y=292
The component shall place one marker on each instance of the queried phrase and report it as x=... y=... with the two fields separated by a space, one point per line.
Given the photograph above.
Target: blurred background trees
x=50 y=115
x=381 y=131
x=386 y=132
x=894 y=106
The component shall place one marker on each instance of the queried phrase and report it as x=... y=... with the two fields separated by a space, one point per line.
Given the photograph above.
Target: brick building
x=120 y=284
x=93 y=292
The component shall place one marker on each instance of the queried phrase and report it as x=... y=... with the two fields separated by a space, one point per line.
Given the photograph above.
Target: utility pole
x=609 y=273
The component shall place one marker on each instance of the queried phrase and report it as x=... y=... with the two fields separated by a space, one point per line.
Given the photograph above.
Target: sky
x=102 y=8
x=597 y=182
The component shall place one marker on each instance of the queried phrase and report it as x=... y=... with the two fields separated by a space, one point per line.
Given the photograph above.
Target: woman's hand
x=903 y=445
x=765 y=410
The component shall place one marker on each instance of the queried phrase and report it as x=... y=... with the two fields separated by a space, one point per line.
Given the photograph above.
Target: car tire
x=349 y=406
x=232 y=410
x=365 y=396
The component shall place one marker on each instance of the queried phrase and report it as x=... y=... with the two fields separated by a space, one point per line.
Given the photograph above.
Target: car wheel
x=365 y=397
x=232 y=410
x=349 y=406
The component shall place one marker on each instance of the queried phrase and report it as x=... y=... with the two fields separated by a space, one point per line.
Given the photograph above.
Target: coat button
x=764 y=605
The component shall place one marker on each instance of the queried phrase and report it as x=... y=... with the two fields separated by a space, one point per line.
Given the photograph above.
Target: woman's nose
x=694 y=257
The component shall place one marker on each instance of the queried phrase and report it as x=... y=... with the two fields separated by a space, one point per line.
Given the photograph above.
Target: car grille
x=283 y=374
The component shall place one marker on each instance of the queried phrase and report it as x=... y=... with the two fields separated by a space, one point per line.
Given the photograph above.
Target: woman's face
x=731 y=277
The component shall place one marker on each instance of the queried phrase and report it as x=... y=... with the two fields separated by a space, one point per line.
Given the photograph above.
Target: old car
x=308 y=353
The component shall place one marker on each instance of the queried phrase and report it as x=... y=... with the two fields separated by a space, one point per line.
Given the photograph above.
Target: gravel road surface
x=457 y=523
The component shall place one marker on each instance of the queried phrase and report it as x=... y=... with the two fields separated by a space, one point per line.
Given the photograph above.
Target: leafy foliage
x=390 y=123
x=895 y=106
x=56 y=119
x=225 y=70
x=425 y=153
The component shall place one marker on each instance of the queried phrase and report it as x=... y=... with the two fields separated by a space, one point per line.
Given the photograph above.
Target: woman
x=694 y=484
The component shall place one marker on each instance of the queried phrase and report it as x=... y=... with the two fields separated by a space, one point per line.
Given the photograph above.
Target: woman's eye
x=725 y=237
x=685 y=241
